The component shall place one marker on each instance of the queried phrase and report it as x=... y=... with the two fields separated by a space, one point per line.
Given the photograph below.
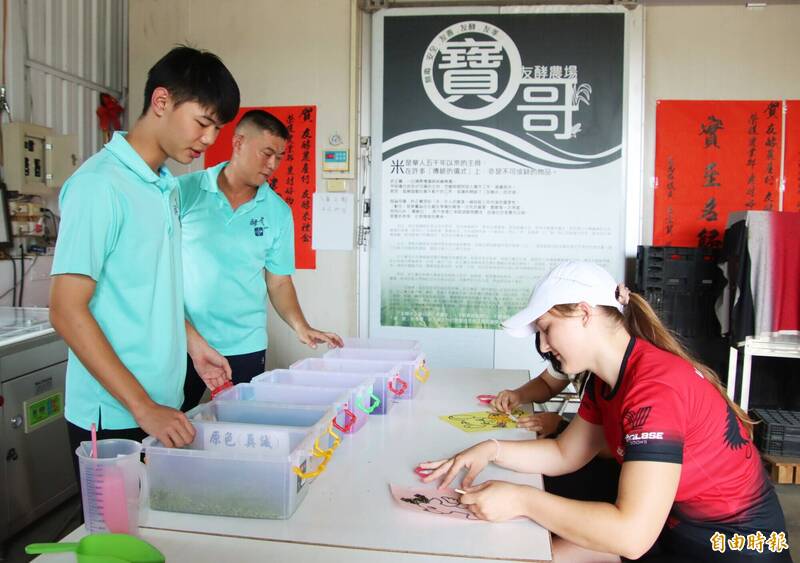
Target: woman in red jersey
x=691 y=488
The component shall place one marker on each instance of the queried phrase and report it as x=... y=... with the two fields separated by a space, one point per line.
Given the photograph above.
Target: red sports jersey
x=662 y=409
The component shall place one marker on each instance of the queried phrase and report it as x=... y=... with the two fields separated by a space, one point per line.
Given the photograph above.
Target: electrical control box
x=36 y=160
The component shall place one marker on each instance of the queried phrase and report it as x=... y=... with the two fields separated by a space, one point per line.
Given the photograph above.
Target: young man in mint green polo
x=238 y=249
x=117 y=291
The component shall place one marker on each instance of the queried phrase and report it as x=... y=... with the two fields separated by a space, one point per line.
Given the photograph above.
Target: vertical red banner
x=296 y=178
x=712 y=158
x=791 y=163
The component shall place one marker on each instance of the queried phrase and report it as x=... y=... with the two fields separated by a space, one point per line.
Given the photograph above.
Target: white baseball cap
x=567 y=283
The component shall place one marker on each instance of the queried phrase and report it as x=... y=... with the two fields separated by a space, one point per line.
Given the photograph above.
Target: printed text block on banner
x=712 y=158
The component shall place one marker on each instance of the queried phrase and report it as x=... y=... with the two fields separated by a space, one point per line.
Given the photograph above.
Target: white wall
x=281 y=52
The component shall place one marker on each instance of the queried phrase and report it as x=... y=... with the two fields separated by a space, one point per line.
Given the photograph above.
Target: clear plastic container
x=413 y=370
x=389 y=385
x=301 y=417
x=112 y=485
x=269 y=480
x=383 y=344
x=349 y=418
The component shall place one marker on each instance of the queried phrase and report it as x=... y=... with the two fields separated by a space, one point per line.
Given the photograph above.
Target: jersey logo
x=259 y=231
x=643 y=437
x=636 y=418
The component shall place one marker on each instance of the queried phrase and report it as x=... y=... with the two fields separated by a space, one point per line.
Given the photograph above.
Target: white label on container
x=252 y=441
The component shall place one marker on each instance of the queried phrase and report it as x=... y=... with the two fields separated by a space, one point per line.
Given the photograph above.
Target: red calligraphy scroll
x=295 y=180
x=791 y=166
x=712 y=158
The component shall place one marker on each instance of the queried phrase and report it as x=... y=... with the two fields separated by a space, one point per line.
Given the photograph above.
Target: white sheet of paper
x=333 y=221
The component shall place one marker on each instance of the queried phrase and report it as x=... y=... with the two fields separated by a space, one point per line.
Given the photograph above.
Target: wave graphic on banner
x=501 y=144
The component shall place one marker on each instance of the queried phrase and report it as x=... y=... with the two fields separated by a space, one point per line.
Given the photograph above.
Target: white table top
x=205 y=548
x=349 y=512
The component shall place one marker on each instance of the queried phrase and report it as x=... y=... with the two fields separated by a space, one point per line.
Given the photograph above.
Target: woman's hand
x=474 y=459
x=506 y=401
x=545 y=423
x=496 y=501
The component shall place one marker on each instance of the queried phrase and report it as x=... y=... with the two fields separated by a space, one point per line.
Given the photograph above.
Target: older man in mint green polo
x=238 y=250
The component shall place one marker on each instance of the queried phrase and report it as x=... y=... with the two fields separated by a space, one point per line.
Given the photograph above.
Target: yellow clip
x=427 y=373
x=310 y=474
x=319 y=452
x=337 y=440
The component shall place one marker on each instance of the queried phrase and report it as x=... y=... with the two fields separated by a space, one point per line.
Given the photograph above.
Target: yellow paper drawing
x=482 y=421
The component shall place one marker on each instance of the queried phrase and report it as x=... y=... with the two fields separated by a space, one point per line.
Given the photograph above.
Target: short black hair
x=264 y=121
x=192 y=75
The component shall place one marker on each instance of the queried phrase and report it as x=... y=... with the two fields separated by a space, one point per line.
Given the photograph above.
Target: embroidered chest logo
x=636 y=418
x=258 y=226
x=174 y=203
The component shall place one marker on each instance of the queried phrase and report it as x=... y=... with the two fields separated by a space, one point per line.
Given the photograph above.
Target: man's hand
x=210 y=365
x=311 y=337
x=169 y=426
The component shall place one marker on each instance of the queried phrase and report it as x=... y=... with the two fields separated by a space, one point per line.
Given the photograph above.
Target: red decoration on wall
x=712 y=158
x=296 y=178
x=791 y=165
x=109 y=113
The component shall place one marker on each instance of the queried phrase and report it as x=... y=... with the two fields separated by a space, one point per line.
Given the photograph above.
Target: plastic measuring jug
x=105 y=548
x=112 y=485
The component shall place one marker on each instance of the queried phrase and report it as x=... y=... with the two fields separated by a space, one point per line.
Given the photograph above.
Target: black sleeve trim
x=662 y=452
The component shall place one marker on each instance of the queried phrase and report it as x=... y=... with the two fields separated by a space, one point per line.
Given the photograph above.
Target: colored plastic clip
x=403 y=386
x=375 y=403
x=319 y=452
x=349 y=420
x=311 y=474
x=486 y=399
x=426 y=373
x=337 y=440
x=217 y=390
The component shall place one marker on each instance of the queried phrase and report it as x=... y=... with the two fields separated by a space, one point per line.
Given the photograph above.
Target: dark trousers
x=244 y=367
x=596 y=481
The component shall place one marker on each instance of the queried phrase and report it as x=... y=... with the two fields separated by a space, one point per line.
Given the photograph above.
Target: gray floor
x=62 y=521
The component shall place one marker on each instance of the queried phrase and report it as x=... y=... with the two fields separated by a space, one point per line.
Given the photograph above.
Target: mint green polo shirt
x=225 y=253
x=120 y=226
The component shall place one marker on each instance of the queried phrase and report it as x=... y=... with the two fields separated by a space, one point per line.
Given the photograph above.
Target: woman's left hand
x=496 y=501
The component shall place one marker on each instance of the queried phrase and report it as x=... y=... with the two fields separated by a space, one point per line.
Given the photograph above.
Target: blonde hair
x=641 y=321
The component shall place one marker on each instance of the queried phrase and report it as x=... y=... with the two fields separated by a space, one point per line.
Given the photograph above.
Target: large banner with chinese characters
x=712 y=158
x=295 y=180
x=501 y=147
x=791 y=167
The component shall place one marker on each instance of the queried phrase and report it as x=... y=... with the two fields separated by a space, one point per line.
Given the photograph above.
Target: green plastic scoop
x=104 y=548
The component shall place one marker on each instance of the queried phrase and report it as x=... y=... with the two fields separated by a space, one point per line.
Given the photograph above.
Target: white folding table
x=349 y=514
